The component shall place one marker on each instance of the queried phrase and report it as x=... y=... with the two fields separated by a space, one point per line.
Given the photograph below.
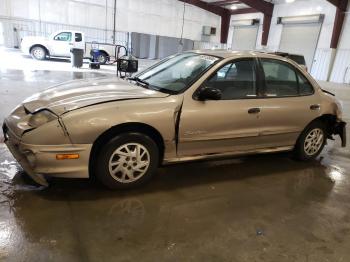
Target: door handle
x=315 y=107
x=253 y=110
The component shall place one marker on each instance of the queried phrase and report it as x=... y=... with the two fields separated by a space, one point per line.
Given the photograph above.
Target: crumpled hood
x=80 y=93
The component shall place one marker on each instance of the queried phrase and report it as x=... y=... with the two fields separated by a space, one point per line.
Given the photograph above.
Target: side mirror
x=209 y=93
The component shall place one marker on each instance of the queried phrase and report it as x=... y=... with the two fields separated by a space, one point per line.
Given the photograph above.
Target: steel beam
x=225 y=14
x=266 y=29
x=222 y=12
x=225 y=26
x=341 y=6
x=243 y=11
x=337 y=28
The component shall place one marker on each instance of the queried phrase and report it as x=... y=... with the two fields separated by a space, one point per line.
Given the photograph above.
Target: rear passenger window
x=78 y=37
x=235 y=80
x=280 y=79
x=305 y=88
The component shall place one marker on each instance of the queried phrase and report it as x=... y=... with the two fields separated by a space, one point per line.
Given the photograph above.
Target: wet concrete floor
x=257 y=208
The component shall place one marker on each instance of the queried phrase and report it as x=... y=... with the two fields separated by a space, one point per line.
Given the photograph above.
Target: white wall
x=164 y=17
x=157 y=17
x=300 y=8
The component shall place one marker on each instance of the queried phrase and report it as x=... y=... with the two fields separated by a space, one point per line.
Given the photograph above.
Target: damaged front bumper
x=12 y=142
x=340 y=129
x=40 y=160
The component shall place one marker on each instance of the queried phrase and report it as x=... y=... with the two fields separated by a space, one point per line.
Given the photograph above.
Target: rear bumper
x=340 y=129
x=39 y=161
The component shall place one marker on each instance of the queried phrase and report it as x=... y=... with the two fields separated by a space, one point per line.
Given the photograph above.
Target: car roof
x=224 y=53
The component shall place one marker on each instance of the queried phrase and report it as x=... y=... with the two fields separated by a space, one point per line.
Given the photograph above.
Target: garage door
x=301 y=39
x=244 y=37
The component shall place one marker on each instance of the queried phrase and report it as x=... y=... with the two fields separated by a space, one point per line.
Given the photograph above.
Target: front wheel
x=38 y=53
x=311 y=141
x=127 y=160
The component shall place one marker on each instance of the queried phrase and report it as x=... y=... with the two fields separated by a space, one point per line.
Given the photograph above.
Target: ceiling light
x=290 y=1
x=233 y=7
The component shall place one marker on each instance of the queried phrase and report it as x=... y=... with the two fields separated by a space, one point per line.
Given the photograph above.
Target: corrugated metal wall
x=321 y=62
x=341 y=68
x=157 y=47
x=25 y=27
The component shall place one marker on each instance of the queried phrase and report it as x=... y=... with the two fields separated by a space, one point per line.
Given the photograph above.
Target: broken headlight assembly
x=40 y=118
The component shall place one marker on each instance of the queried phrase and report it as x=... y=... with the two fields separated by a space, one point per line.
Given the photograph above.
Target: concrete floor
x=258 y=208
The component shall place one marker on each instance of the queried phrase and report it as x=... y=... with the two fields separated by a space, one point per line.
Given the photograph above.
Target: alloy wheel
x=129 y=162
x=313 y=141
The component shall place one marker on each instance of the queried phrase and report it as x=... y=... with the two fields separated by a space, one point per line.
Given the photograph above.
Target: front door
x=226 y=125
x=61 y=44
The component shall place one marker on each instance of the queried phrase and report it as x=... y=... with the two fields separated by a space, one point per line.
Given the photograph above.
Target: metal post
x=114 y=19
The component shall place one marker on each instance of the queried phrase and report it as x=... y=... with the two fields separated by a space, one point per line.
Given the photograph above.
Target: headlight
x=40 y=118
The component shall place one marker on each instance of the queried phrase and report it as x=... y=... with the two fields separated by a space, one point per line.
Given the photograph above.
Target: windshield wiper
x=139 y=81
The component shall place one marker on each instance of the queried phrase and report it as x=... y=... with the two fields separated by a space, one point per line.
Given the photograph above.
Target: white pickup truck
x=58 y=45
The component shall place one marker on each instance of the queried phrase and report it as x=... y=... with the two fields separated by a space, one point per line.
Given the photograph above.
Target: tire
x=118 y=169
x=102 y=58
x=311 y=141
x=38 y=53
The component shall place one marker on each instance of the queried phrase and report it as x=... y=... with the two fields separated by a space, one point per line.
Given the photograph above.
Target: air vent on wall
x=208 y=30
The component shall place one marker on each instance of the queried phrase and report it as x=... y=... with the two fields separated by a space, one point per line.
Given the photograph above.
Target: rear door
x=289 y=103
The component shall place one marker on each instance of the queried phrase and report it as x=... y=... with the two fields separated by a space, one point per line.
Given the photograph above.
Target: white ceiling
x=229 y=5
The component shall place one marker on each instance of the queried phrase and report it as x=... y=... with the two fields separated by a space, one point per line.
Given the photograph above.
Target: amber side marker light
x=67 y=156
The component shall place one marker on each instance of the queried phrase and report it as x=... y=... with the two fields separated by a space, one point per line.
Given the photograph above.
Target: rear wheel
x=102 y=58
x=127 y=160
x=38 y=53
x=311 y=141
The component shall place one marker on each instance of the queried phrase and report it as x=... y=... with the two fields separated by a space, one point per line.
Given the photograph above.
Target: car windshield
x=176 y=73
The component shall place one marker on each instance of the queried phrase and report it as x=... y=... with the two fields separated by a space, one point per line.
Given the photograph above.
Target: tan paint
x=88 y=108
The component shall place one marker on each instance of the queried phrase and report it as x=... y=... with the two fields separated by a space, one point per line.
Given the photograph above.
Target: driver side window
x=64 y=36
x=235 y=80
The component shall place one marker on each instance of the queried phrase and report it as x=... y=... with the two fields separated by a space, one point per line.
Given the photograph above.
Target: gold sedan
x=190 y=106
